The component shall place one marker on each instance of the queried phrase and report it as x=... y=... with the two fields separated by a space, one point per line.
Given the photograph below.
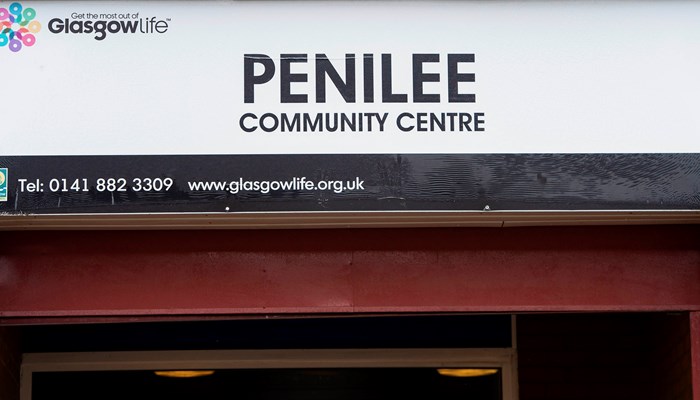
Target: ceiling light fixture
x=184 y=374
x=466 y=372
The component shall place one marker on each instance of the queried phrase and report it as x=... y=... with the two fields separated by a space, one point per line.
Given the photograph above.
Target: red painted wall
x=695 y=353
x=119 y=273
x=70 y=276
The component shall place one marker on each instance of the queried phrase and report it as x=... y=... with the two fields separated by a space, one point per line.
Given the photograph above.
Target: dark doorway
x=264 y=384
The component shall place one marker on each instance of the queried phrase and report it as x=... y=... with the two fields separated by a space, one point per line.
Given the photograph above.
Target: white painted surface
x=551 y=77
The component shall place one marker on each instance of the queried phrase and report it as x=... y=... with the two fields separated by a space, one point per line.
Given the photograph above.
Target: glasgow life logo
x=18 y=27
x=101 y=25
x=3 y=184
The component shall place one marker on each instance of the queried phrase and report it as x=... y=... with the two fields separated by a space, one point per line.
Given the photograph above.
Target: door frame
x=502 y=358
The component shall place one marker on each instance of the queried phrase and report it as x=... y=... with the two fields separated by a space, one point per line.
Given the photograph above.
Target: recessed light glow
x=184 y=374
x=466 y=372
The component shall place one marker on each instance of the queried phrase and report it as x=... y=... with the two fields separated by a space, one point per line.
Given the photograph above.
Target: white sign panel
x=341 y=77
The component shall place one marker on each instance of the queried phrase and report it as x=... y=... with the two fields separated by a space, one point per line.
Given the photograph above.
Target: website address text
x=267 y=186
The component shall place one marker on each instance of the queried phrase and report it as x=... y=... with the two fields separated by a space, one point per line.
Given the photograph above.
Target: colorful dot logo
x=17 y=27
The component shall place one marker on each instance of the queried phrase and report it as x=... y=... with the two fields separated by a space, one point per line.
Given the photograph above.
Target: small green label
x=3 y=184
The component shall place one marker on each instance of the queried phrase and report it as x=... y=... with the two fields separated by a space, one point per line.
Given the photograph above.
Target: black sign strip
x=356 y=182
